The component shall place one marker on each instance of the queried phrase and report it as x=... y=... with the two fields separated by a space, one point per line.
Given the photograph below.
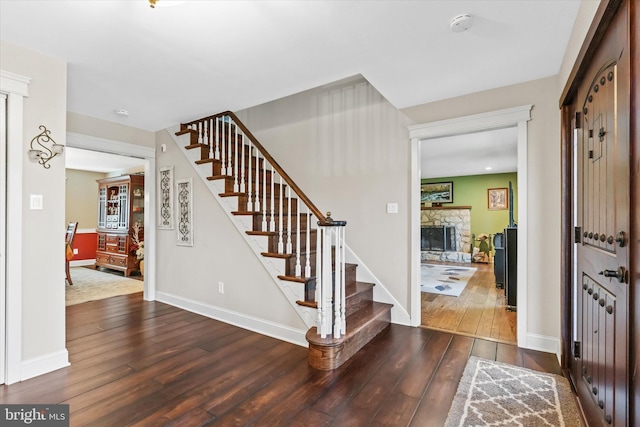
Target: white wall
x=348 y=149
x=81 y=203
x=43 y=278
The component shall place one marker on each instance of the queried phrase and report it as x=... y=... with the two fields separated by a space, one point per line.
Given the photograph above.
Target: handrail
x=322 y=220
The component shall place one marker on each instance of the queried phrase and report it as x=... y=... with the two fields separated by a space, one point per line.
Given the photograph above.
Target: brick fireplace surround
x=449 y=216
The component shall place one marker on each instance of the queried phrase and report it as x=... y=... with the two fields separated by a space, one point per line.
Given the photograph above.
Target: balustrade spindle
x=298 y=266
x=249 y=194
x=243 y=164
x=227 y=122
x=307 y=266
x=236 y=187
x=223 y=150
x=264 y=195
x=199 y=132
x=280 y=215
x=288 y=220
x=256 y=187
x=272 y=222
x=210 y=139
x=217 y=138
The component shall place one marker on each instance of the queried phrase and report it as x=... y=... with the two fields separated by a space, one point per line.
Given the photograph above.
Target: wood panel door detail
x=600 y=364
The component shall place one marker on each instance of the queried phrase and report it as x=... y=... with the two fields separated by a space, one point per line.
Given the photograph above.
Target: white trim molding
x=510 y=117
x=44 y=364
x=543 y=343
x=17 y=88
x=260 y=326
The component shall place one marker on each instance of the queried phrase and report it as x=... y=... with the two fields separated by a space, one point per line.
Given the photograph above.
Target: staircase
x=306 y=245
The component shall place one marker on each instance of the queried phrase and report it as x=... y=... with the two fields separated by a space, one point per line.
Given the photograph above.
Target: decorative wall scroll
x=184 y=230
x=165 y=205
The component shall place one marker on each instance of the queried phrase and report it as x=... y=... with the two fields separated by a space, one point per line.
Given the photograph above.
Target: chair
x=71 y=234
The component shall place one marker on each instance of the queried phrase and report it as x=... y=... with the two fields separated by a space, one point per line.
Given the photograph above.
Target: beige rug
x=493 y=393
x=91 y=285
x=445 y=279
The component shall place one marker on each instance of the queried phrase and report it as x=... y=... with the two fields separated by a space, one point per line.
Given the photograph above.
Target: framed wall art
x=184 y=229
x=165 y=193
x=497 y=199
x=436 y=192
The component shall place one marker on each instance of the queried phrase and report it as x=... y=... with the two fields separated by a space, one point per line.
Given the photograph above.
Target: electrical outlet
x=220 y=288
x=75 y=251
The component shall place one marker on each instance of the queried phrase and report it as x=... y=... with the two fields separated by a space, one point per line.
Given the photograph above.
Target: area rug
x=445 y=279
x=91 y=285
x=493 y=393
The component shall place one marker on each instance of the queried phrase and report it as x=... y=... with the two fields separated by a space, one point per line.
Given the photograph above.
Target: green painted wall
x=472 y=191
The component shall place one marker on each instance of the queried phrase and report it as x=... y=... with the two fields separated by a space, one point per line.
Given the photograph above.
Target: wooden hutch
x=120 y=206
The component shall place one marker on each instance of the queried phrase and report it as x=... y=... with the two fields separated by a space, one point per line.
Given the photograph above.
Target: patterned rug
x=91 y=285
x=445 y=279
x=493 y=393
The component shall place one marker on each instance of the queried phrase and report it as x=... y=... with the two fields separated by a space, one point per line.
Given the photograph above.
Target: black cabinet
x=498 y=259
x=511 y=267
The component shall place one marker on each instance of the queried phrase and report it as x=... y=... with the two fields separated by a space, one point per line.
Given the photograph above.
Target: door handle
x=621 y=274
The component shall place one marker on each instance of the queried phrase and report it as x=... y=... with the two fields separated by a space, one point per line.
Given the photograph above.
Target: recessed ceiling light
x=121 y=112
x=488 y=168
x=461 y=23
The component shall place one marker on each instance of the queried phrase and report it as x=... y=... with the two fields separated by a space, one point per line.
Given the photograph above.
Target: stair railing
x=255 y=173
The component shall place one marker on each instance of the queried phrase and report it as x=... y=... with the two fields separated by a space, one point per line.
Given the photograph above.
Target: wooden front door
x=600 y=297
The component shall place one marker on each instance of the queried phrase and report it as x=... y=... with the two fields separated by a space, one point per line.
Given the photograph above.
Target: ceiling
x=480 y=153
x=172 y=64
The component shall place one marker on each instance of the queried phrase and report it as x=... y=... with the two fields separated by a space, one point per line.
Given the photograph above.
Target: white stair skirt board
x=445 y=279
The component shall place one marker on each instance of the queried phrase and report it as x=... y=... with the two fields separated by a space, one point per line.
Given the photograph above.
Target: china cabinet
x=120 y=207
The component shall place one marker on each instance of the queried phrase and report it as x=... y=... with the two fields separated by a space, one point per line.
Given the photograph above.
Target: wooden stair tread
x=277 y=255
x=356 y=322
x=294 y=279
x=311 y=304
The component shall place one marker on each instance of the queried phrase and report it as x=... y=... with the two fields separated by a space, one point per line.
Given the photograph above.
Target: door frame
x=92 y=143
x=3 y=228
x=17 y=88
x=510 y=117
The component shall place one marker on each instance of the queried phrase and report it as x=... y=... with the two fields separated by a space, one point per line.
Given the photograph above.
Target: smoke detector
x=461 y=23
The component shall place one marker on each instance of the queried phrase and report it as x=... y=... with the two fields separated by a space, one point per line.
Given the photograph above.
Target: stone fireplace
x=446 y=233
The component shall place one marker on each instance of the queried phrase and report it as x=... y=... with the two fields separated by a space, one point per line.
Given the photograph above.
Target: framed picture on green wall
x=437 y=192
x=497 y=199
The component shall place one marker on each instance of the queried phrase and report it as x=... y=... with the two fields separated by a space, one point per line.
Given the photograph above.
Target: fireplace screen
x=438 y=238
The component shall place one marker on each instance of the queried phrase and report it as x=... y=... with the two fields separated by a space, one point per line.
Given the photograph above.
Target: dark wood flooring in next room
x=144 y=363
x=479 y=311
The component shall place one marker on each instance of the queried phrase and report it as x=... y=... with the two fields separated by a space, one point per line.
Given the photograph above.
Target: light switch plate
x=35 y=202
x=392 y=208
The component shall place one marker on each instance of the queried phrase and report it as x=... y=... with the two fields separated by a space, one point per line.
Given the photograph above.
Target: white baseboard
x=543 y=343
x=81 y=262
x=260 y=326
x=44 y=364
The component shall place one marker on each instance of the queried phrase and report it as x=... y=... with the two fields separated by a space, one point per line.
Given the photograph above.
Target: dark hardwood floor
x=141 y=363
